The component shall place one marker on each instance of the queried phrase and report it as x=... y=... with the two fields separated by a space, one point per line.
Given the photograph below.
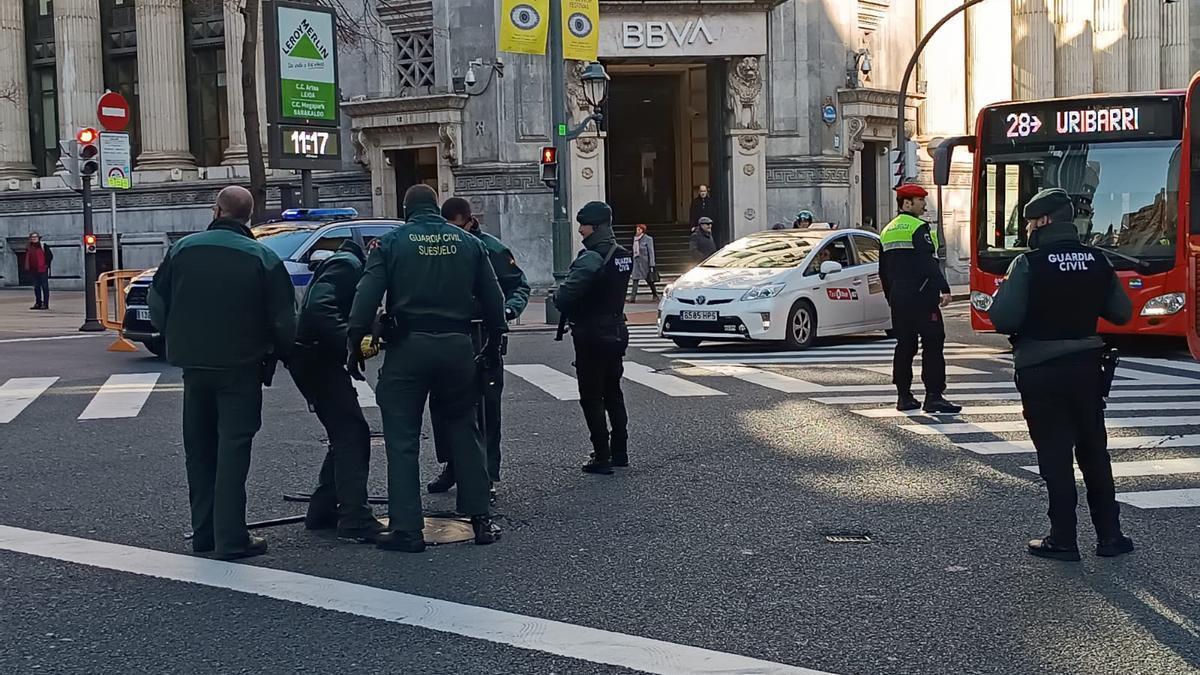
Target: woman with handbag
x=644 y=268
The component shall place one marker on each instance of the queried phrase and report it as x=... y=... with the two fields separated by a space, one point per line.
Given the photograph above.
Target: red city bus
x=1121 y=158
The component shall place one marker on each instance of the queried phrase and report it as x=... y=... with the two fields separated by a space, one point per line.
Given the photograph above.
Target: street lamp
x=595 y=84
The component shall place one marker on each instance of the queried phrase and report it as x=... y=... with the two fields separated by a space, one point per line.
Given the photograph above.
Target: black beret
x=594 y=214
x=1047 y=202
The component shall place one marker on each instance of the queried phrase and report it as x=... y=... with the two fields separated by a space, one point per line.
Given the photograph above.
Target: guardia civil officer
x=318 y=367
x=916 y=291
x=227 y=308
x=592 y=297
x=457 y=211
x=1050 y=303
x=436 y=278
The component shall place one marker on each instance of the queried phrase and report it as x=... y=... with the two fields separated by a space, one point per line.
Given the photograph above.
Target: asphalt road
x=744 y=461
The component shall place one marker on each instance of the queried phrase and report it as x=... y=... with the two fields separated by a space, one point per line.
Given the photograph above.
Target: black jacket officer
x=593 y=298
x=318 y=367
x=1050 y=303
x=916 y=291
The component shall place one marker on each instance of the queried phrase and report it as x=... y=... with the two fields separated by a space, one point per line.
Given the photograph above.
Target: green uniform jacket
x=512 y=280
x=325 y=309
x=1012 y=299
x=586 y=265
x=432 y=272
x=223 y=300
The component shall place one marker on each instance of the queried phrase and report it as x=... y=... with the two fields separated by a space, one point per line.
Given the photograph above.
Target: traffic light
x=68 y=155
x=89 y=151
x=549 y=163
x=89 y=243
x=904 y=163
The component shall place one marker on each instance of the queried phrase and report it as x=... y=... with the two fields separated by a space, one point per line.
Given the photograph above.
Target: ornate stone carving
x=856 y=126
x=449 y=146
x=748 y=142
x=361 y=155
x=745 y=90
x=750 y=214
x=790 y=174
x=587 y=173
x=587 y=145
x=748 y=169
x=576 y=101
x=498 y=178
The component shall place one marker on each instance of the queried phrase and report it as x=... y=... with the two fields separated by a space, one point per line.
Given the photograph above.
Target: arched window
x=43 y=85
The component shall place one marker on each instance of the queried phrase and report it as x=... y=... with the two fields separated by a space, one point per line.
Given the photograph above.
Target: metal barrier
x=113 y=284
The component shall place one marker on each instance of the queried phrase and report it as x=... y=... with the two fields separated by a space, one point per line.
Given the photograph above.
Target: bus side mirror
x=943 y=153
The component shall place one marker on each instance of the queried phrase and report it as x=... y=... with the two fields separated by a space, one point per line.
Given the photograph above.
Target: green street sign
x=307 y=63
x=562 y=130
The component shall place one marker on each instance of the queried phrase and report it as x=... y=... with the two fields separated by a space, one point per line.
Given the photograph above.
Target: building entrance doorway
x=412 y=167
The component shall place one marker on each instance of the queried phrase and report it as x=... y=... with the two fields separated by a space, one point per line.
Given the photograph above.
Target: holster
x=562 y=327
x=1109 y=360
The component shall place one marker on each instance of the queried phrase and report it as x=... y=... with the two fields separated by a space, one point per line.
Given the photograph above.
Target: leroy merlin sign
x=305 y=63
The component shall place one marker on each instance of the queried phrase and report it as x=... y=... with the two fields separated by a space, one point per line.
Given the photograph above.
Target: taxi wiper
x=1142 y=264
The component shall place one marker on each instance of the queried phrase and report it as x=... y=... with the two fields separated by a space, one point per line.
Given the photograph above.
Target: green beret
x=1046 y=203
x=594 y=214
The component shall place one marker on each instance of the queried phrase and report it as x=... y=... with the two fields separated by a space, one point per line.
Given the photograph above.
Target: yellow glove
x=368 y=348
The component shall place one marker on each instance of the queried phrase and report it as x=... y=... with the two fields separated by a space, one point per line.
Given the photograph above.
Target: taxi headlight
x=763 y=292
x=669 y=291
x=981 y=301
x=1164 y=305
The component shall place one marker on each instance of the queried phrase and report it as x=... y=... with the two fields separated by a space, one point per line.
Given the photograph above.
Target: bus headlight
x=981 y=301
x=1164 y=305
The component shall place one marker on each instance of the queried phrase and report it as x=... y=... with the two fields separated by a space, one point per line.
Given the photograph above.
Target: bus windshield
x=1125 y=193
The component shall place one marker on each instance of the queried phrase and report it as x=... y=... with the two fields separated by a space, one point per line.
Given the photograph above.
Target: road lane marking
x=480 y=623
x=667 y=384
x=366 y=395
x=52 y=337
x=19 y=392
x=1114 y=443
x=1149 y=467
x=1019 y=425
x=560 y=386
x=1161 y=499
x=1017 y=409
x=763 y=378
x=950 y=370
x=121 y=396
x=756 y=360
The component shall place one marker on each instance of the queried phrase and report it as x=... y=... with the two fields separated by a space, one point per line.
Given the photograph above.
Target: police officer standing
x=1050 y=303
x=318 y=367
x=916 y=291
x=436 y=278
x=592 y=297
x=457 y=211
x=223 y=272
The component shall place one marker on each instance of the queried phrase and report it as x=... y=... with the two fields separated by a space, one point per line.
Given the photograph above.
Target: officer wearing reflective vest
x=1049 y=304
x=916 y=291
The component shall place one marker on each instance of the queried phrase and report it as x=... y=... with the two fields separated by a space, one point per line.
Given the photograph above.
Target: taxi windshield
x=772 y=251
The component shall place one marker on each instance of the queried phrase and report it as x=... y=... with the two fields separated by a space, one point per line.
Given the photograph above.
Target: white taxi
x=781 y=285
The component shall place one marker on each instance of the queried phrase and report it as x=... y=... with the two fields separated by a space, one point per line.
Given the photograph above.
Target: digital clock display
x=1085 y=121
x=309 y=142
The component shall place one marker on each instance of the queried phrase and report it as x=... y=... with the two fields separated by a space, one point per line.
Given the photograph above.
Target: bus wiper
x=1142 y=264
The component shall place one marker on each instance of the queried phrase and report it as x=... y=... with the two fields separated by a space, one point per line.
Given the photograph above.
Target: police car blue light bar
x=320 y=214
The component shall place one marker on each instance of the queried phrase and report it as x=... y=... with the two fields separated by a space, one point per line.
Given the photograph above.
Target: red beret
x=911 y=191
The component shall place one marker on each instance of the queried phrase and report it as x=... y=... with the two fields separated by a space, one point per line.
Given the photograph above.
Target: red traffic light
x=89 y=240
x=549 y=155
x=87 y=135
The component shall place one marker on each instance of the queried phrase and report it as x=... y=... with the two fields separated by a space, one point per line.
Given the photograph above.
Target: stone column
x=1111 y=46
x=747 y=147
x=1032 y=49
x=79 y=63
x=1175 y=70
x=1145 y=40
x=1073 y=69
x=162 y=86
x=14 y=106
x=235 y=30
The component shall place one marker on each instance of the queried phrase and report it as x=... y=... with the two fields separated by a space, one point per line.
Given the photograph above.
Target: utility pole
x=90 y=323
x=561 y=227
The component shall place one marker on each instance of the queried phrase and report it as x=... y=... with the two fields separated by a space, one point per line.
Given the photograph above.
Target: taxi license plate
x=692 y=315
x=143 y=314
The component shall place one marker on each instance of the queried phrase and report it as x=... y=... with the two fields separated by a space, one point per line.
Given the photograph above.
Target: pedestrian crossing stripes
x=121 y=396
x=18 y=393
x=366 y=395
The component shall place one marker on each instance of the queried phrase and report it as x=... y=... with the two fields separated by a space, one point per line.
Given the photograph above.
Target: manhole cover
x=445 y=530
x=848 y=537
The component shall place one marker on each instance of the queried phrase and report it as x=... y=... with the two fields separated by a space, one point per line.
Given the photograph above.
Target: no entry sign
x=112 y=111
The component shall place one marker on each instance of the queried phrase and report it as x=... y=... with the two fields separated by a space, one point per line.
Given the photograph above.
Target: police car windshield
x=773 y=250
x=1125 y=193
x=284 y=243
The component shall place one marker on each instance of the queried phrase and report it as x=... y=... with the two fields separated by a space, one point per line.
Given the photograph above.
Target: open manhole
x=848 y=537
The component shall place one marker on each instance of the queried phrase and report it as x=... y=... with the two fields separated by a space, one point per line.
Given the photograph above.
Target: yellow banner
x=581 y=29
x=523 y=25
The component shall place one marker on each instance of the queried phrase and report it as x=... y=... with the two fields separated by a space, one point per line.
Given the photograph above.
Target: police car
x=302 y=238
x=781 y=285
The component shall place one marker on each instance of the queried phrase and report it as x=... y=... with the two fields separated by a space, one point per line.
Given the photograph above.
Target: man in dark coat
x=700 y=243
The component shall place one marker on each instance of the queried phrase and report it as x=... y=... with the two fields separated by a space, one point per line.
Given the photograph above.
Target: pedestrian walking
x=226 y=305
x=644 y=264
x=436 y=278
x=37 y=264
x=703 y=206
x=700 y=243
x=592 y=298
x=317 y=365
x=916 y=291
x=514 y=286
x=1049 y=304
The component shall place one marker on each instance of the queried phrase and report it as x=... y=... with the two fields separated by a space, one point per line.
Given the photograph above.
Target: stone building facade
x=765 y=101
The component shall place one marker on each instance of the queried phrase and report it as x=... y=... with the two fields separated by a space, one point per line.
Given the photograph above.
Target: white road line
x=891 y=398
x=828 y=353
x=1019 y=425
x=560 y=386
x=735 y=359
x=121 y=396
x=1161 y=499
x=765 y=378
x=366 y=395
x=1016 y=409
x=1162 y=363
x=667 y=384
x=950 y=370
x=53 y=337
x=479 y=623
x=19 y=392
x=962 y=389
x=1114 y=443
x=1149 y=467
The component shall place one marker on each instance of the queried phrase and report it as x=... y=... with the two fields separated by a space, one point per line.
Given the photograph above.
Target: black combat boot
x=598 y=465
x=444 y=481
x=254 y=546
x=486 y=530
x=1111 y=547
x=1050 y=547
x=939 y=405
x=318 y=519
x=906 y=401
x=396 y=540
x=364 y=532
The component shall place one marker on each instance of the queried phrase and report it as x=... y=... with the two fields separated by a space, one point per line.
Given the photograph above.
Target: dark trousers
x=1065 y=413
x=222 y=410
x=489 y=420
x=416 y=366
x=41 y=289
x=634 y=288
x=598 y=368
x=342 y=482
x=911 y=324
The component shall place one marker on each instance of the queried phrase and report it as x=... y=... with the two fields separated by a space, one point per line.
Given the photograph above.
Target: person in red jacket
x=37 y=263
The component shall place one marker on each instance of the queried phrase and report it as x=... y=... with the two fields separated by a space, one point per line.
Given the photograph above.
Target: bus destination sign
x=1085 y=121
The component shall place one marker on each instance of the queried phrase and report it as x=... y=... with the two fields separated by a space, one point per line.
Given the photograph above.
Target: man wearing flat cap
x=1049 y=304
x=916 y=291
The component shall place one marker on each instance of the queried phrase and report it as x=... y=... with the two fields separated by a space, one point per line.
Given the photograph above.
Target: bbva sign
x=659 y=34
